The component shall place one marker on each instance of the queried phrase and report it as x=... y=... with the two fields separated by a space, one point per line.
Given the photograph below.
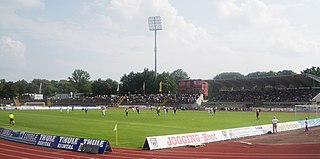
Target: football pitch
x=134 y=128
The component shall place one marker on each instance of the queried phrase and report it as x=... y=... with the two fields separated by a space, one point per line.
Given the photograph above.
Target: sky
x=49 y=39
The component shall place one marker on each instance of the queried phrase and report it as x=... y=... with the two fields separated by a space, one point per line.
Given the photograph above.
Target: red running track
x=224 y=150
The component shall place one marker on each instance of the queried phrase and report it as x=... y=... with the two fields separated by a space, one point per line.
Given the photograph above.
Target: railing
x=120 y=101
x=16 y=102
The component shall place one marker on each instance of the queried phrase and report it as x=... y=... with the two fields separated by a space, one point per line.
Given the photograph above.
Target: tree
x=179 y=74
x=10 y=90
x=286 y=73
x=229 y=75
x=129 y=83
x=101 y=87
x=21 y=87
x=149 y=85
x=47 y=88
x=169 y=84
x=113 y=85
x=80 y=80
x=32 y=88
x=126 y=85
x=143 y=82
x=55 y=84
x=261 y=74
x=313 y=70
x=65 y=86
x=133 y=82
x=98 y=87
x=2 y=85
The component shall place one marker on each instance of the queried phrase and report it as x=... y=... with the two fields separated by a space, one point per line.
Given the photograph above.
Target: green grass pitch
x=133 y=129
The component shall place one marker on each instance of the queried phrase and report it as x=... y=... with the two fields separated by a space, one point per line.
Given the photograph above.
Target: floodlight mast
x=154 y=25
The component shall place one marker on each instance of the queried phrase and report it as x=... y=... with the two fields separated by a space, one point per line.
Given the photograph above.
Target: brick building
x=193 y=86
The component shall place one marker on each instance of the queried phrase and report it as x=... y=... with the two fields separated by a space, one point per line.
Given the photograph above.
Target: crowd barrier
x=59 y=142
x=177 y=140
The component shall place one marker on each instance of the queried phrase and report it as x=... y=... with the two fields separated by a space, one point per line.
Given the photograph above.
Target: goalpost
x=314 y=109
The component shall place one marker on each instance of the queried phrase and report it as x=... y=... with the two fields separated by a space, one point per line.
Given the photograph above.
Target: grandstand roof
x=291 y=81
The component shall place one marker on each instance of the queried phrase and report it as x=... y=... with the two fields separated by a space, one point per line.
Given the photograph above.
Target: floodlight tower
x=154 y=25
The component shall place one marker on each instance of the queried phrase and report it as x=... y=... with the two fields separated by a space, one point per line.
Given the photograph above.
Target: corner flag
x=115 y=127
x=116 y=130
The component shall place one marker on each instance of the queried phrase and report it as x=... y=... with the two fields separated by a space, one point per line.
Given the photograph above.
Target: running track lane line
x=26 y=153
x=221 y=155
x=157 y=154
x=218 y=156
x=57 y=153
x=215 y=153
x=166 y=152
x=239 y=153
x=12 y=156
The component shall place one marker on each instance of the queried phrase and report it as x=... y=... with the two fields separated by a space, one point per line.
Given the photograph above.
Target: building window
x=197 y=82
x=196 y=91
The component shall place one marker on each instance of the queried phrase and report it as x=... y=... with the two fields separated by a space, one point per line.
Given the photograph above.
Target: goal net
x=310 y=110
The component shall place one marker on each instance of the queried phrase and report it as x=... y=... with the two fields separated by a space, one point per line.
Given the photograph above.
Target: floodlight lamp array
x=155 y=23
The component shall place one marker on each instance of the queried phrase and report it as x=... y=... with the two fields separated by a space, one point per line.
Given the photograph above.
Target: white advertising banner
x=248 y=131
x=311 y=122
x=288 y=126
x=170 y=141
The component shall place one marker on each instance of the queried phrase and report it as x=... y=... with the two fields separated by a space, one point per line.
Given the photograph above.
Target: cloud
x=12 y=53
x=128 y=9
x=120 y=25
x=13 y=5
x=241 y=34
x=106 y=22
x=12 y=48
x=296 y=46
x=250 y=12
x=27 y=4
x=255 y=27
x=130 y=36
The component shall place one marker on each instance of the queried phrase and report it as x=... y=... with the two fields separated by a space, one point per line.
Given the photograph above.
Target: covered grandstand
x=265 y=91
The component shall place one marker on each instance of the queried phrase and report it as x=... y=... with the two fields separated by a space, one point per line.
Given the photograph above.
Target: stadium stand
x=5 y=103
x=275 y=90
x=84 y=101
x=132 y=99
x=291 y=90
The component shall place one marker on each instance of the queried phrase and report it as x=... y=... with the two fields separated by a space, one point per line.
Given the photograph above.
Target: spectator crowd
x=274 y=95
x=131 y=99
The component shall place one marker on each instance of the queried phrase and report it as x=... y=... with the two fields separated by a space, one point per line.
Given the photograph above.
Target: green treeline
x=135 y=83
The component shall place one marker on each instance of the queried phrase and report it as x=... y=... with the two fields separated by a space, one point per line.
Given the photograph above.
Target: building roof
x=184 y=80
x=291 y=81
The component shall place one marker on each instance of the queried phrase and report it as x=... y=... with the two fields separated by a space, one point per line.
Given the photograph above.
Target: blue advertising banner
x=59 y=142
x=311 y=122
x=72 y=143
x=19 y=136
x=48 y=141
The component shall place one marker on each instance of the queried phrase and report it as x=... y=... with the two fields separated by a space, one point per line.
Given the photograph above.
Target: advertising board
x=59 y=142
